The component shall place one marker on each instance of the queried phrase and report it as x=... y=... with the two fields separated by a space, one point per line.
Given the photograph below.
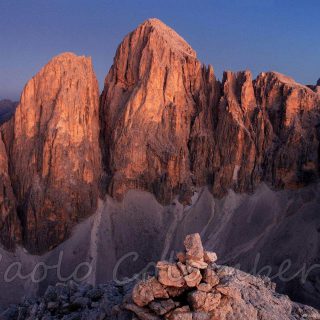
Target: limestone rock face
x=267 y=130
x=169 y=125
x=155 y=93
x=165 y=124
x=54 y=153
x=289 y=113
x=234 y=151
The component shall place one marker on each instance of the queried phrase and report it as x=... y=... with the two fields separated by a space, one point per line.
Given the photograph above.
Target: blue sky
x=259 y=35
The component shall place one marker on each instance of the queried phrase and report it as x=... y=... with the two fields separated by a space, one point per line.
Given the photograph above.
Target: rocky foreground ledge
x=192 y=288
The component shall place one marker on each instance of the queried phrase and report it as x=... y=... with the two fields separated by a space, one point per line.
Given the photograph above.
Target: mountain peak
x=69 y=57
x=155 y=22
x=281 y=78
x=170 y=37
x=57 y=122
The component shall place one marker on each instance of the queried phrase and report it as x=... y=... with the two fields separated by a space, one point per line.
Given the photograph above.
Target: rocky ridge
x=169 y=125
x=193 y=288
x=164 y=124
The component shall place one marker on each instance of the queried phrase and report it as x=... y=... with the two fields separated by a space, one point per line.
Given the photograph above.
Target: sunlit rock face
x=169 y=125
x=54 y=152
x=291 y=158
x=157 y=104
x=164 y=124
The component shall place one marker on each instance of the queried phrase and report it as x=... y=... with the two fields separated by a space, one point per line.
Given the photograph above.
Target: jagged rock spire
x=169 y=125
x=54 y=153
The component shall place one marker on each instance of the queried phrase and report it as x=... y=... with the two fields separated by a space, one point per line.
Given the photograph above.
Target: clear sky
x=260 y=35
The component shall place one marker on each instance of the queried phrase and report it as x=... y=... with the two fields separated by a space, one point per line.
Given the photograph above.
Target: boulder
x=210 y=257
x=205 y=287
x=204 y=301
x=170 y=275
x=193 y=279
x=211 y=277
x=146 y=291
x=182 y=313
x=162 y=307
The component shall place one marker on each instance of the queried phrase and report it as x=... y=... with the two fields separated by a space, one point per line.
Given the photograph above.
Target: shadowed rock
x=7 y=109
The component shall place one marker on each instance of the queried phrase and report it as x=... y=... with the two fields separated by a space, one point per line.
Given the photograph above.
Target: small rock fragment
x=162 y=307
x=200 y=315
x=212 y=301
x=182 y=313
x=228 y=291
x=142 y=313
x=194 y=248
x=142 y=294
x=197 y=299
x=211 y=277
x=146 y=291
x=203 y=301
x=170 y=275
x=181 y=256
x=197 y=264
x=159 y=292
x=210 y=257
x=174 y=292
x=193 y=279
x=205 y=287
x=183 y=268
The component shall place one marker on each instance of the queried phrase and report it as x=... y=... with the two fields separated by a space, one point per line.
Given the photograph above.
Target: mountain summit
x=167 y=36
x=154 y=90
x=169 y=124
x=52 y=146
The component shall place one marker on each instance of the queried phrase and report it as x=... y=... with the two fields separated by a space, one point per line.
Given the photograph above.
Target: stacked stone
x=188 y=289
x=193 y=288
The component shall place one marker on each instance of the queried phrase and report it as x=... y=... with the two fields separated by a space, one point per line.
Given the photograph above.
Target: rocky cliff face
x=169 y=125
x=53 y=151
x=154 y=93
x=165 y=124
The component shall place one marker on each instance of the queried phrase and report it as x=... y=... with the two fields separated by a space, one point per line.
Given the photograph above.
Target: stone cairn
x=193 y=288
x=188 y=289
